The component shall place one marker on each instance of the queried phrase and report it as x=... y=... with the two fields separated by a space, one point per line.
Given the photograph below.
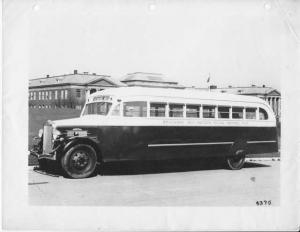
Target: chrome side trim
x=187 y=144
x=203 y=144
x=268 y=141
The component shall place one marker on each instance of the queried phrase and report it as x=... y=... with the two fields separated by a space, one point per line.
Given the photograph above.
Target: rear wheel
x=236 y=160
x=80 y=161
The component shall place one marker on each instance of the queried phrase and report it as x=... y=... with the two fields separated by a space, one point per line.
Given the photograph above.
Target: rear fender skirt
x=83 y=140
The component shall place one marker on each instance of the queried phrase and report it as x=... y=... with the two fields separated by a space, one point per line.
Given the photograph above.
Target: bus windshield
x=100 y=108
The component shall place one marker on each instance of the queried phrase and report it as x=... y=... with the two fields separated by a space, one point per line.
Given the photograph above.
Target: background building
x=67 y=91
x=71 y=90
x=149 y=80
x=269 y=94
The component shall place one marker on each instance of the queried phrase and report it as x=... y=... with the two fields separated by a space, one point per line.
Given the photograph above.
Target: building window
x=43 y=96
x=135 y=109
x=62 y=94
x=66 y=94
x=56 y=94
x=223 y=112
x=39 y=95
x=50 y=95
x=34 y=95
x=78 y=93
x=157 y=109
x=46 y=97
x=263 y=115
x=209 y=111
x=192 y=111
x=250 y=113
x=175 y=111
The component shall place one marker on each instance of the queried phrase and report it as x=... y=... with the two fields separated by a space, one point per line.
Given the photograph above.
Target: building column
x=277 y=100
x=279 y=107
x=275 y=105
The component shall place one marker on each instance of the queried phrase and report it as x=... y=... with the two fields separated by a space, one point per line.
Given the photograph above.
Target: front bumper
x=51 y=156
x=38 y=150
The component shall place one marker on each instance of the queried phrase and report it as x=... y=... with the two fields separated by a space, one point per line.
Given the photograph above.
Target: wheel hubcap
x=79 y=160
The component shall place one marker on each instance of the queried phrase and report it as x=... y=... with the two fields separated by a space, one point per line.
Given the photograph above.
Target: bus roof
x=176 y=93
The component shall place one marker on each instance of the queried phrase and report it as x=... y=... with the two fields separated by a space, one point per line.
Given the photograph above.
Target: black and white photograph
x=151 y=114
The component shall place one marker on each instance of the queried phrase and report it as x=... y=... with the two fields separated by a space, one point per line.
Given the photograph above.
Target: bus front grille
x=47 y=140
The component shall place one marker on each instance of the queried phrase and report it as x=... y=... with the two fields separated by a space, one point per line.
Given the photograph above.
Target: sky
x=237 y=43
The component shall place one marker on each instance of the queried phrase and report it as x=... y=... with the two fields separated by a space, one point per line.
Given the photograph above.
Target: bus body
x=138 y=123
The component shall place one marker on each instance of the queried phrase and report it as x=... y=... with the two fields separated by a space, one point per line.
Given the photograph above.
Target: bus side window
x=158 y=109
x=209 y=111
x=237 y=112
x=250 y=113
x=263 y=115
x=192 y=111
x=116 y=110
x=135 y=109
x=223 y=112
x=175 y=111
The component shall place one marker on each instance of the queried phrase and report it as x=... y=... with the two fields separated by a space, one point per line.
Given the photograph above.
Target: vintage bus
x=138 y=123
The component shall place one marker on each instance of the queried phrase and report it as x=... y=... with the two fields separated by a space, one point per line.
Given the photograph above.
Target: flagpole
x=208 y=80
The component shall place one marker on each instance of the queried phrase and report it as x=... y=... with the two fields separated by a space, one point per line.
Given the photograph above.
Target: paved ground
x=170 y=183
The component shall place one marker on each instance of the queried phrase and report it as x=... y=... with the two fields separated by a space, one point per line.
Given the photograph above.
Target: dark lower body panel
x=157 y=143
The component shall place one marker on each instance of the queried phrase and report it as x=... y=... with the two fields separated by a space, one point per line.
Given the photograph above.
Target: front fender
x=83 y=140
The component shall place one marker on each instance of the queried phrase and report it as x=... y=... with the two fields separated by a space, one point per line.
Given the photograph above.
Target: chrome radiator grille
x=47 y=139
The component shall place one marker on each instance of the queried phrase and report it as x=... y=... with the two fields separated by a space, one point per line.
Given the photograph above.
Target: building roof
x=146 y=77
x=76 y=79
x=176 y=93
x=149 y=80
x=252 y=90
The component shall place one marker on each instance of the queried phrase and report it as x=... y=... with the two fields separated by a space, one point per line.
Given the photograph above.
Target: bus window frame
x=229 y=112
x=243 y=112
x=213 y=107
x=199 y=112
x=114 y=105
x=266 y=112
x=250 y=107
x=140 y=113
x=161 y=103
x=177 y=104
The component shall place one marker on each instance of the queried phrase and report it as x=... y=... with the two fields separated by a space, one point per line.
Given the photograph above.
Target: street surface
x=168 y=183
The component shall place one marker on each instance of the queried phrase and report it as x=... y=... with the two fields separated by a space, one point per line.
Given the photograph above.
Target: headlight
x=55 y=133
x=41 y=131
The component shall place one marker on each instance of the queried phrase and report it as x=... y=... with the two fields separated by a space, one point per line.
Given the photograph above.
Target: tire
x=79 y=161
x=236 y=158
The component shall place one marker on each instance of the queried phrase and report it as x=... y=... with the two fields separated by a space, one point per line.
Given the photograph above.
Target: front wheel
x=80 y=161
x=237 y=160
